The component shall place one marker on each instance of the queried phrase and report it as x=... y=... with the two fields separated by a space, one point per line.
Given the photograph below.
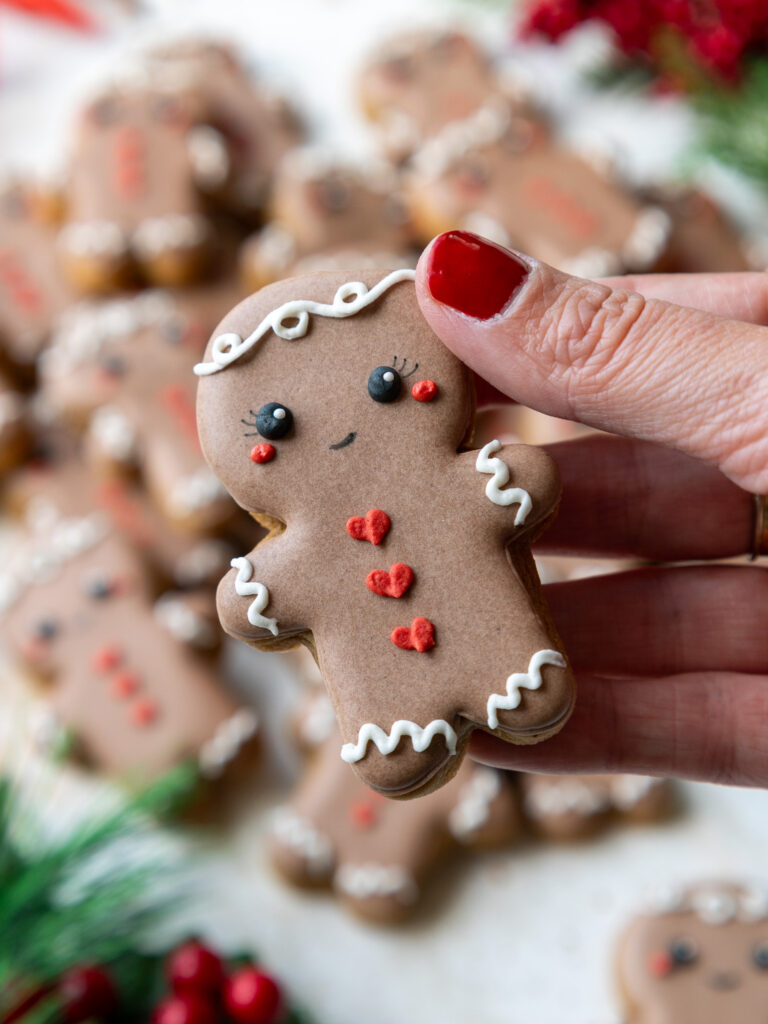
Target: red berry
x=252 y=997
x=196 y=969
x=87 y=993
x=185 y=1009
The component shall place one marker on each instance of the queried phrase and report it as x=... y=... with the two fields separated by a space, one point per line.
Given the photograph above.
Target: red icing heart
x=374 y=527
x=390 y=584
x=420 y=637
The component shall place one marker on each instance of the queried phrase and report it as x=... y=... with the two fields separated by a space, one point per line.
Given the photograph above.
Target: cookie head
x=704 y=958
x=322 y=398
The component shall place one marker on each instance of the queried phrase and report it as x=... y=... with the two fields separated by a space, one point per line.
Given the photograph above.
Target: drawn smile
x=343 y=444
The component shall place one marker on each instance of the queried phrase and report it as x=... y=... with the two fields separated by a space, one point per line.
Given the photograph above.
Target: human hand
x=672 y=662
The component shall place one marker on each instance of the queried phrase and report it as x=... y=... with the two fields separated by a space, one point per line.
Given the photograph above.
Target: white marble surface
x=520 y=938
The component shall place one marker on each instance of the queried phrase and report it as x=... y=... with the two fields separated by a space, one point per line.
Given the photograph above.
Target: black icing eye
x=98 y=587
x=113 y=365
x=105 y=111
x=333 y=196
x=274 y=420
x=45 y=629
x=173 y=332
x=760 y=955
x=384 y=384
x=399 y=69
x=683 y=952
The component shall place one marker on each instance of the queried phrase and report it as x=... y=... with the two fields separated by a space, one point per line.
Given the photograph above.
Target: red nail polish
x=472 y=275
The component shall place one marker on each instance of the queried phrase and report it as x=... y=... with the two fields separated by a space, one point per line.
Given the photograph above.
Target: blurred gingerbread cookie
x=321 y=207
x=699 y=957
x=127 y=678
x=121 y=370
x=376 y=854
x=134 y=209
x=399 y=557
x=416 y=83
x=702 y=239
x=573 y=806
x=496 y=175
x=258 y=126
x=33 y=291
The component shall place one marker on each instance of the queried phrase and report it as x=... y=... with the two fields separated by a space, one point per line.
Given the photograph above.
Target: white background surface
x=522 y=937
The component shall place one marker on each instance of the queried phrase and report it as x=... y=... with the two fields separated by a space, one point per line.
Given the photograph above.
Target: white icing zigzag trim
x=372 y=881
x=486 y=464
x=245 y=588
x=349 y=299
x=387 y=742
x=530 y=680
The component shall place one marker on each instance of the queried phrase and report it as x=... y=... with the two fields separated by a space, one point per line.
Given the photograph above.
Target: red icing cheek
x=263 y=453
x=659 y=964
x=424 y=390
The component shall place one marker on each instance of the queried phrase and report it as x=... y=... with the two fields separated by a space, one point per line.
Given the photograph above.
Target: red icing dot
x=419 y=637
x=363 y=814
x=659 y=964
x=263 y=453
x=424 y=390
x=143 y=712
x=106 y=659
x=124 y=684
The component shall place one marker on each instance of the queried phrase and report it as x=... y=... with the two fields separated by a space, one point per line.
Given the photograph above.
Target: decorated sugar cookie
x=377 y=854
x=573 y=806
x=499 y=176
x=330 y=410
x=134 y=208
x=700 y=957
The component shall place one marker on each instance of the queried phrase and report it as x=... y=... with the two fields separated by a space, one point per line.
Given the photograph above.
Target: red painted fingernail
x=472 y=275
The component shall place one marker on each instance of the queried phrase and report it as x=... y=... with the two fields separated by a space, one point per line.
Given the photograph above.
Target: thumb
x=607 y=357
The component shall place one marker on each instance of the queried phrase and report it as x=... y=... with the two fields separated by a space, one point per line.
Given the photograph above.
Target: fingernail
x=472 y=275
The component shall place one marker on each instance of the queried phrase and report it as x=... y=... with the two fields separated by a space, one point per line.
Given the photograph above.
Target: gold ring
x=760 y=534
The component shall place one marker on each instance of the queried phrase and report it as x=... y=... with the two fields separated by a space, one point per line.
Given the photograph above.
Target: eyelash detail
x=247 y=423
x=400 y=369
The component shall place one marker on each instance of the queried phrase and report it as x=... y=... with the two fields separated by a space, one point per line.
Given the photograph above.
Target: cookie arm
x=514 y=487
x=260 y=600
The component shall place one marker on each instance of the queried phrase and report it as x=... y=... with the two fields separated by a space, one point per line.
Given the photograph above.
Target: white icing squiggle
x=350 y=298
x=303 y=838
x=474 y=805
x=245 y=588
x=226 y=743
x=518 y=681
x=513 y=495
x=547 y=798
x=367 y=881
x=387 y=742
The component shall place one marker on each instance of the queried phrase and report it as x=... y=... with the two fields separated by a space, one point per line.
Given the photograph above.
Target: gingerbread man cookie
x=120 y=370
x=32 y=288
x=129 y=678
x=134 y=208
x=700 y=957
x=330 y=409
x=497 y=175
x=377 y=854
x=573 y=806
x=416 y=83
x=258 y=126
x=322 y=207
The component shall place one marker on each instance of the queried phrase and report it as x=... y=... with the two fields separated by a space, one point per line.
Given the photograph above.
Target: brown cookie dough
x=258 y=126
x=133 y=197
x=701 y=957
x=33 y=291
x=332 y=411
x=564 y=807
x=15 y=440
x=376 y=854
x=128 y=679
x=497 y=175
x=702 y=240
x=416 y=83
x=321 y=207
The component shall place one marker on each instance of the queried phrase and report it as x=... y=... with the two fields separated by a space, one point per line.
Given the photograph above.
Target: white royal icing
x=628 y=790
x=350 y=298
x=367 y=881
x=173 y=613
x=197 y=491
x=303 y=838
x=113 y=433
x=474 y=804
x=226 y=743
x=713 y=904
x=500 y=478
x=155 y=235
x=546 y=798
x=387 y=742
x=518 y=681
x=246 y=588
